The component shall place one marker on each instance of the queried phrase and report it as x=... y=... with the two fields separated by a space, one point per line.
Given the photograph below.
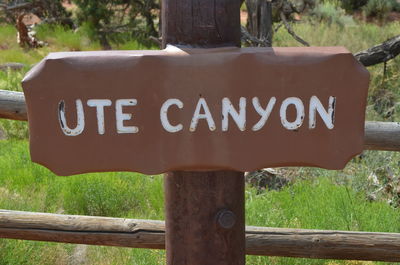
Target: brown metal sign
x=196 y=109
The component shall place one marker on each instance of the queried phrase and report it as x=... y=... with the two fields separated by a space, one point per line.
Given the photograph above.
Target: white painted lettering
x=80 y=117
x=202 y=104
x=99 y=104
x=164 y=115
x=264 y=113
x=327 y=116
x=121 y=117
x=238 y=117
x=298 y=104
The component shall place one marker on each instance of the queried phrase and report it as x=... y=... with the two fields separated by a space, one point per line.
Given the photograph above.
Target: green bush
x=106 y=14
x=379 y=8
x=112 y=194
x=331 y=13
x=348 y=5
x=96 y=195
x=353 y=5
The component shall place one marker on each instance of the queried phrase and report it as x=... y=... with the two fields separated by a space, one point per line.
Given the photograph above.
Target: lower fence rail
x=106 y=231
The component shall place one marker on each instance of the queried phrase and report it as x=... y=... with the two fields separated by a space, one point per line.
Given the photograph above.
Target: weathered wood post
x=204 y=210
x=260 y=20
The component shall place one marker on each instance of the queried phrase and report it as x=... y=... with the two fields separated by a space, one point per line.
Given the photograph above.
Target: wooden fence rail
x=121 y=232
x=12 y=105
x=378 y=135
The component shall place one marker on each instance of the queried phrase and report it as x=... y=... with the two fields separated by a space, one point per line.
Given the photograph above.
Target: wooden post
x=201 y=23
x=204 y=210
x=205 y=218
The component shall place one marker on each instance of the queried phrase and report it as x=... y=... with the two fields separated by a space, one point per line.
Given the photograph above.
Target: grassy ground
x=316 y=202
x=316 y=198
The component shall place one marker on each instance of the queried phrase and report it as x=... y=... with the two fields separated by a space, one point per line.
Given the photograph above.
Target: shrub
x=378 y=8
x=331 y=13
x=96 y=195
x=353 y=5
x=113 y=194
x=348 y=5
x=108 y=15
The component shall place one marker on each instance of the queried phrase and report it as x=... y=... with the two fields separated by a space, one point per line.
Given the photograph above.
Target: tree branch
x=380 y=53
x=291 y=32
x=251 y=40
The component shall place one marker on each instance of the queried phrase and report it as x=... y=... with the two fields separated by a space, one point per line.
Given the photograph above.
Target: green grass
x=67 y=40
x=11 y=52
x=355 y=38
x=29 y=187
x=319 y=201
x=320 y=204
x=112 y=194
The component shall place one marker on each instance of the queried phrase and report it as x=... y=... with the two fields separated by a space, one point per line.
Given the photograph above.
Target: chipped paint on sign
x=80 y=124
x=264 y=113
x=327 y=116
x=121 y=116
x=164 y=115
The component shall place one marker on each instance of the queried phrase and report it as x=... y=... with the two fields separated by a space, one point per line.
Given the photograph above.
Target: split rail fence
x=322 y=244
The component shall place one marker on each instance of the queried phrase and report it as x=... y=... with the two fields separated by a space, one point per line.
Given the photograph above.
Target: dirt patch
x=69 y=5
x=79 y=255
x=243 y=17
x=31 y=19
x=393 y=16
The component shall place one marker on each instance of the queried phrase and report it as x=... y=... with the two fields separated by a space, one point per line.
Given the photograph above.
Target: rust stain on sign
x=196 y=109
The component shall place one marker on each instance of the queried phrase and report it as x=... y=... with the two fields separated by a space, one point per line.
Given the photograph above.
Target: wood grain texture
x=82 y=229
x=201 y=23
x=321 y=244
x=193 y=200
x=380 y=53
x=382 y=136
x=260 y=21
x=11 y=66
x=12 y=105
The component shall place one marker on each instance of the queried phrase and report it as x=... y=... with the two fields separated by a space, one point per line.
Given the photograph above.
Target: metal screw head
x=226 y=219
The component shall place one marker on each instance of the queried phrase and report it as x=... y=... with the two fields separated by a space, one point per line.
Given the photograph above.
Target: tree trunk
x=259 y=22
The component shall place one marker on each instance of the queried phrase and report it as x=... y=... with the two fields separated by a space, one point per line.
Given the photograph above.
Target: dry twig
x=291 y=32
